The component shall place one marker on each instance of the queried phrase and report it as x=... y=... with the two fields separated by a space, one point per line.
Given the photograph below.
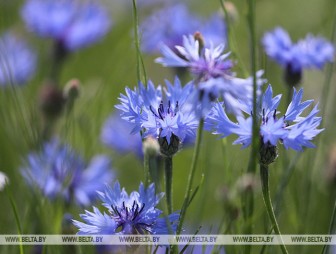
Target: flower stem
x=331 y=228
x=252 y=166
x=141 y=72
x=268 y=203
x=16 y=216
x=169 y=182
x=146 y=168
x=191 y=175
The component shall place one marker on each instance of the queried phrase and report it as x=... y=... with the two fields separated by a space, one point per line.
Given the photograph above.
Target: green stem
x=329 y=72
x=169 y=182
x=146 y=168
x=141 y=72
x=248 y=203
x=331 y=228
x=268 y=203
x=16 y=216
x=191 y=175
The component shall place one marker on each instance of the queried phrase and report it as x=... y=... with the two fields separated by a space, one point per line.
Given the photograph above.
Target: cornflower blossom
x=213 y=72
x=59 y=172
x=293 y=130
x=128 y=214
x=116 y=134
x=17 y=61
x=311 y=52
x=72 y=23
x=169 y=24
x=167 y=116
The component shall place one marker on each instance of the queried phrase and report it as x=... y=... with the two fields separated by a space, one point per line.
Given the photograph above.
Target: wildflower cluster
x=211 y=91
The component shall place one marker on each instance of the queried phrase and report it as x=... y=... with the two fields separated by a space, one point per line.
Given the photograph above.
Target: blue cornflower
x=205 y=63
x=311 y=52
x=292 y=129
x=116 y=134
x=213 y=75
x=17 y=61
x=72 y=23
x=128 y=214
x=59 y=172
x=169 y=24
x=169 y=117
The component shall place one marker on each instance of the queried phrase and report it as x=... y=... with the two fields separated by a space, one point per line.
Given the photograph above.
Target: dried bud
x=171 y=148
x=151 y=146
x=268 y=153
x=51 y=101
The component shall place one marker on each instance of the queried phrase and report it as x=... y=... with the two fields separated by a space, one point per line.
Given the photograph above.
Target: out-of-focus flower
x=169 y=24
x=116 y=134
x=212 y=70
x=293 y=130
x=72 y=23
x=17 y=61
x=128 y=214
x=3 y=180
x=59 y=172
x=311 y=52
x=204 y=63
x=169 y=117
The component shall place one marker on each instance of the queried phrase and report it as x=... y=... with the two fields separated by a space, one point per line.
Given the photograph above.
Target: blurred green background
x=104 y=70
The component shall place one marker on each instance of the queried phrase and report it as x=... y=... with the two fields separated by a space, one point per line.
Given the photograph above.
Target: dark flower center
x=161 y=113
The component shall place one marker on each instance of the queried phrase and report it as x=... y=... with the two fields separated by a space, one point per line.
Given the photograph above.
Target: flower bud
x=171 y=148
x=231 y=11
x=71 y=93
x=151 y=146
x=199 y=37
x=268 y=153
x=72 y=89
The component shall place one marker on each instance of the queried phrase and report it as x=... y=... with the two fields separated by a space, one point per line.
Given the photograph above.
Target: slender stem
x=141 y=72
x=16 y=216
x=255 y=130
x=329 y=72
x=146 y=168
x=331 y=228
x=248 y=203
x=191 y=175
x=169 y=182
x=268 y=203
